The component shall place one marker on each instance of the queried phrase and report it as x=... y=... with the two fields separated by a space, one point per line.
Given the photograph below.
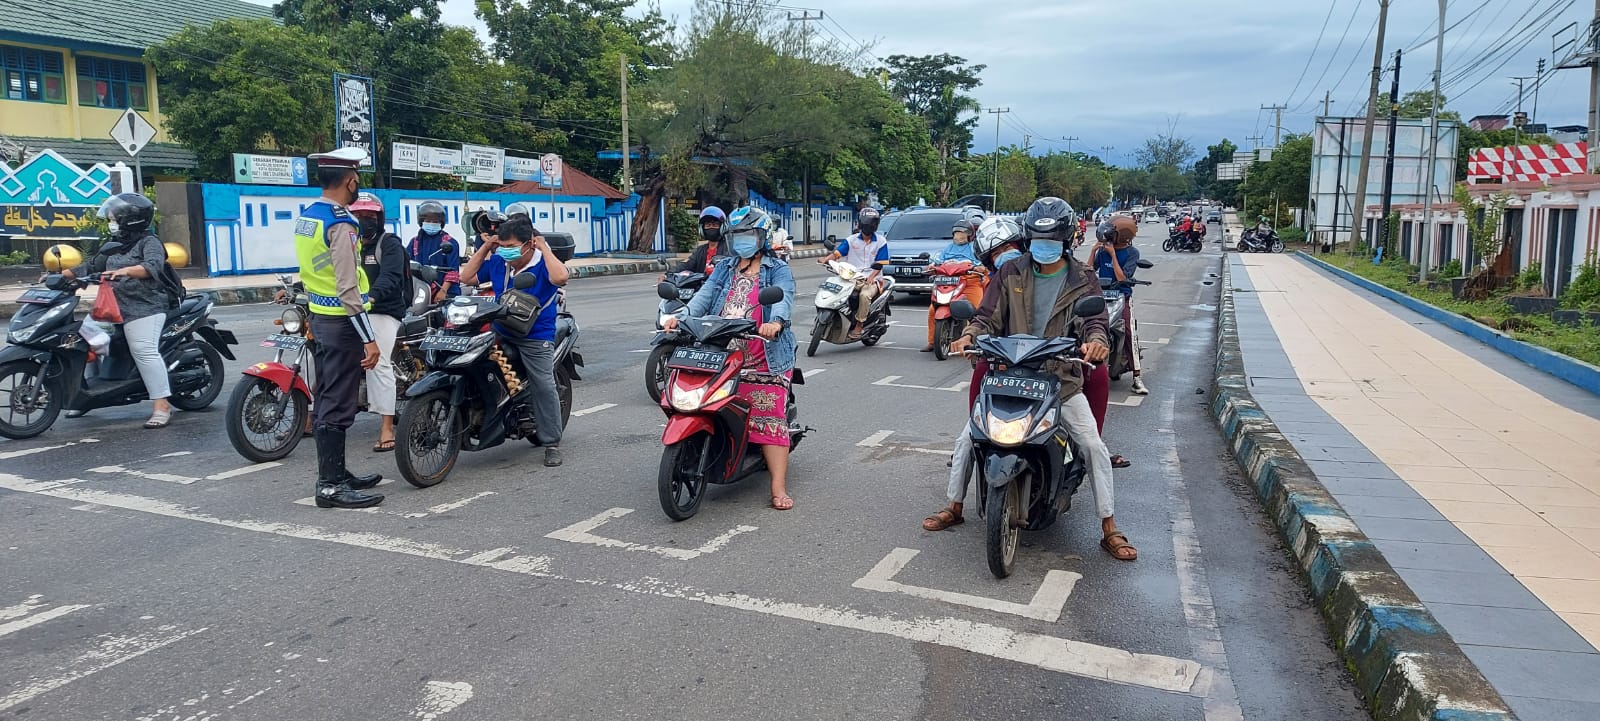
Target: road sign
x=550 y=168
x=132 y=132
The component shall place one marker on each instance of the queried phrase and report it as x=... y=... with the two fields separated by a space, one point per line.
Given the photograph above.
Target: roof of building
x=573 y=182
x=1488 y=117
x=139 y=23
x=90 y=151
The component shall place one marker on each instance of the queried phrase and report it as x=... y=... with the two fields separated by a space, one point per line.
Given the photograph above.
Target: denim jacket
x=774 y=272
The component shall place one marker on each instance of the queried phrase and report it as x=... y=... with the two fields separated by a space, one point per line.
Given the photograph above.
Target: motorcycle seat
x=189 y=304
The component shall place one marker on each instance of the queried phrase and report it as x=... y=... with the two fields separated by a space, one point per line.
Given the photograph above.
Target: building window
x=109 y=83
x=34 y=75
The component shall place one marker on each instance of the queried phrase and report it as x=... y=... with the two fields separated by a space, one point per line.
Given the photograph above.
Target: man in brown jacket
x=1035 y=295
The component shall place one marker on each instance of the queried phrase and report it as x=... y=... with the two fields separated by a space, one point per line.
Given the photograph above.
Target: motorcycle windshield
x=1025 y=349
x=717 y=331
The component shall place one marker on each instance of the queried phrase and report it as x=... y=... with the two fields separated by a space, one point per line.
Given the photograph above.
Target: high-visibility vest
x=316 y=259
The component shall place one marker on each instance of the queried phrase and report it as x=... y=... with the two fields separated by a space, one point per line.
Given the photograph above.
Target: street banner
x=550 y=168
x=425 y=158
x=522 y=169
x=268 y=169
x=487 y=164
x=353 y=113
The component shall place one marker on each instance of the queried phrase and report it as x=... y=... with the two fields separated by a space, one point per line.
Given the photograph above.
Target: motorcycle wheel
x=942 y=329
x=208 y=394
x=253 y=428
x=817 y=331
x=1277 y=245
x=564 y=391
x=1002 y=533
x=870 y=340
x=678 y=484
x=655 y=372
x=427 y=439
x=1166 y=245
x=41 y=401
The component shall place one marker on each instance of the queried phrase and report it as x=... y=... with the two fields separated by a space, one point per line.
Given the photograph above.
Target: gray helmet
x=995 y=233
x=519 y=208
x=132 y=212
x=430 y=207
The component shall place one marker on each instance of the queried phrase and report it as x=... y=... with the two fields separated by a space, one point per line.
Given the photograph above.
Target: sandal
x=1118 y=461
x=383 y=446
x=1117 y=545
x=945 y=518
x=158 y=420
x=782 y=503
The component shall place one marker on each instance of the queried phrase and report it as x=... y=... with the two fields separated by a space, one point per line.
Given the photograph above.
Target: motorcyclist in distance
x=705 y=255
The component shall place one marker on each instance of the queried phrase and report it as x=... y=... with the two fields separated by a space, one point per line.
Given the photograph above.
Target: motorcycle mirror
x=1089 y=306
x=524 y=281
x=963 y=310
x=830 y=243
x=668 y=291
x=1145 y=263
x=770 y=295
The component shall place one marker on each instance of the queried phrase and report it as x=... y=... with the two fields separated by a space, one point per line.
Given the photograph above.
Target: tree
x=893 y=157
x=935 y=87
x=1285 y=179
x=1164 y=150
x=245 y=85
x=1204 y=177
x=1018 y=188
x=1417 y=104
x=1068 y=176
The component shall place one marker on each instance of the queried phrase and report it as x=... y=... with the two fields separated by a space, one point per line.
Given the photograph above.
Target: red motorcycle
x=706 y=440
x=951 y=279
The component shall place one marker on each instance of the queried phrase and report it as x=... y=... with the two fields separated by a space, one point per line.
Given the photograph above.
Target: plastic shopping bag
x=105 y=306
x=97 y=334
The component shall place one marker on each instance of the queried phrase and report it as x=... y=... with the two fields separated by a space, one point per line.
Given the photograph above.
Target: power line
x=1313 y=55
x=1532 y=30
x=1354 y=11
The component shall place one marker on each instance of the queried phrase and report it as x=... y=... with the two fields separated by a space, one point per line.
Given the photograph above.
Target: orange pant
x=974 y=295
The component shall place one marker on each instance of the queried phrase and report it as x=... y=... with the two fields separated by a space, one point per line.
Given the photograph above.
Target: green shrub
x=17 y=257
x=1584 y=292
x=1292 y=235
x=1451 y=269
x=683 y=229
x=1531 y=277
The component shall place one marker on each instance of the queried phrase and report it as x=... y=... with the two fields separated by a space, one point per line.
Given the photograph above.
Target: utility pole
x=805 y=18
x=1388 y=159
x=997 y=112
x=627 y=175
x=1366 y=137
x=1255 y=142
x=1327 y=99
x=1518 y=120
x=1587 y=55
x=1538 y=80
x=1069 y=140
x=1433 y=146
x=1105 y=154
x=1277 y=135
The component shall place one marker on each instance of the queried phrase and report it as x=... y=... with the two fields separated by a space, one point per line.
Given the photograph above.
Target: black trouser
x=339 y=353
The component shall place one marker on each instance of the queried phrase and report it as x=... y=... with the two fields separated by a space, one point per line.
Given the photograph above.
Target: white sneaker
x=1138 y=387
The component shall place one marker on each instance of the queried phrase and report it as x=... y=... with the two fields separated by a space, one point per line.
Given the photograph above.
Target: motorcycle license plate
x=698 y=359
x=1018 y=386
x=40 y=296
x=946 y=280
x=832 y=287
x=451 y=343
x=284 y=342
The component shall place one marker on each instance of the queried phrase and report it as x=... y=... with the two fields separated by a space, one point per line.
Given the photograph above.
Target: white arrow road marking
x=1046 y=604
x=1129 y=402
x=890 y=382
x=1034 y=649
x=875 y=440
x=594 y=409
x=451 y=506
x=27 y=621
x=41 y=449
x=112 y=651
x=580 y=533
x=225 y=475
x=442 y=697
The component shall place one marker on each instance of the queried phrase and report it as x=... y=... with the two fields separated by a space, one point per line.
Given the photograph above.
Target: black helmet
x=867 y=221
x=1050 y=218
x=488 y=221
x=430 y=207
x=132 y=213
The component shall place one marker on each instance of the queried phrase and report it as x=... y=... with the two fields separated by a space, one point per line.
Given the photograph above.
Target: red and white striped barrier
x=1527 y=162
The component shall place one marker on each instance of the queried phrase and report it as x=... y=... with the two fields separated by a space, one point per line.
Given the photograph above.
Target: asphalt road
x=155 y=575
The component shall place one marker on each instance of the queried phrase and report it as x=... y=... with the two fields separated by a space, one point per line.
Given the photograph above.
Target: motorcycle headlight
x=1014 y=432
x=26 y=333
x=847 y=272
x=688 y=399
x=459 y=313
x=481 y=343
x=292 y=321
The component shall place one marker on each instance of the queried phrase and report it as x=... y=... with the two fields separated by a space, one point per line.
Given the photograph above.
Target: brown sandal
x=1117 y=545
x=945 y=518
x=1118 y=461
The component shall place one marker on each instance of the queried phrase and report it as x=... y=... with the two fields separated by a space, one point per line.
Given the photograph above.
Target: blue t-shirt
x=544 y=327
x=957 y=251
x=1127 y=258
x=440 y=251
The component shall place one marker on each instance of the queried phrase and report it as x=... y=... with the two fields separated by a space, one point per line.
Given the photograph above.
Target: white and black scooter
x=836 y=308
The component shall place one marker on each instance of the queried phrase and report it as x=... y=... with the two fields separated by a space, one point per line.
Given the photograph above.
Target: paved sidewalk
x=1479 y=480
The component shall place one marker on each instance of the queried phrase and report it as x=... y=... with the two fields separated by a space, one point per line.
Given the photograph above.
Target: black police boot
x=332 y=490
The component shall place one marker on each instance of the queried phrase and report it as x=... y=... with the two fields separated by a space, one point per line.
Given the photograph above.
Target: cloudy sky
x=1115 y=73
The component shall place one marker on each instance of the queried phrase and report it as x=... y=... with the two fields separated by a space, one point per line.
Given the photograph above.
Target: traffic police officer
x=325 y=239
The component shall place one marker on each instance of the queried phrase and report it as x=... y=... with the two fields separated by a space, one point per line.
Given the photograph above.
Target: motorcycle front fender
x=22 y=352
x=1001 y=467
x=435 y=381
x=571 y=362
x=281 y=376
x=681 y=427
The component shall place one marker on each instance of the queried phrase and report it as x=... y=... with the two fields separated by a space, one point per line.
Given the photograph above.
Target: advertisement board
x=488 y=164
x=352 y=113
x=268 y=169
x=1336 y=161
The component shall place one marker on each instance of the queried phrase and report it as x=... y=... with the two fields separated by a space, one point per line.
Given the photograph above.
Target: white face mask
x=112 y=224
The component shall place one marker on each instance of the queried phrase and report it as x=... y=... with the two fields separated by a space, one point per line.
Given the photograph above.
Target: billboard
x=1336 y=160
x=352 y=113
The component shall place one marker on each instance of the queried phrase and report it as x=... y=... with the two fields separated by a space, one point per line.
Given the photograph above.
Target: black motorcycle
x=1259 y=240
x=684 y=286
x=1182 y=243
x=49 y=366
x=1027 y=463
x=467 y=400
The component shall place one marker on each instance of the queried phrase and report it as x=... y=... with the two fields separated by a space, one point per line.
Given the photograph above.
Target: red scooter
x=950 y=282
x=706 y=440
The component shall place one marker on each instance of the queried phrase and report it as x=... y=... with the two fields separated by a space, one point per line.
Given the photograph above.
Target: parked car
x=915 y=235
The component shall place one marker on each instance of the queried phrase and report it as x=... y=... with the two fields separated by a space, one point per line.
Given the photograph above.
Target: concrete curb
x=1571 y=370
x=264 y=293
x=1407 y=667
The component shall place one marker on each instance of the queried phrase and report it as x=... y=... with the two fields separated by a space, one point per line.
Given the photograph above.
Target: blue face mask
x=432 y=228
x=1007 y=257
x=510 y=255
x=745 y=246
x=1046 y=252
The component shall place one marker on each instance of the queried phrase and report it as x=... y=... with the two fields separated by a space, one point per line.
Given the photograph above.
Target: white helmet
x=994 y=233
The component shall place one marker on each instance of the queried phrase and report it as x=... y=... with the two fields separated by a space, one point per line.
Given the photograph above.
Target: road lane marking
x=642 y=350
x=580 y=533
x=891 y=382
x=175 y=454
x=453 y=505
x=225 y=475
x=875 y=440
x=814 y=371
x=440 y=698
x=1046 y=604
x=164 y=477
x=28 y=621
x=1157 y=341
x=22 y=609
x=1129 y=402
x=593 y=409
x=41 y=449
x=1047 y=652
x=113 y=650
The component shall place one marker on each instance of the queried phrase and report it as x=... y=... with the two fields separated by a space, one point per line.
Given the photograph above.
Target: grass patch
x=1581 y=342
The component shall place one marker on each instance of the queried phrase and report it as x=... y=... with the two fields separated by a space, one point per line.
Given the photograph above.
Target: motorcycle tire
x=678 y=485
x=656 y=375
x=250 y=399
x=817 y=331
x=564 y=391
x=942 y=330
x=427 y=424
x=208 y=394
x=1166 y=245
x=1277 y=245
x=1001 y=532
x=27 y=376
x=870 y=340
